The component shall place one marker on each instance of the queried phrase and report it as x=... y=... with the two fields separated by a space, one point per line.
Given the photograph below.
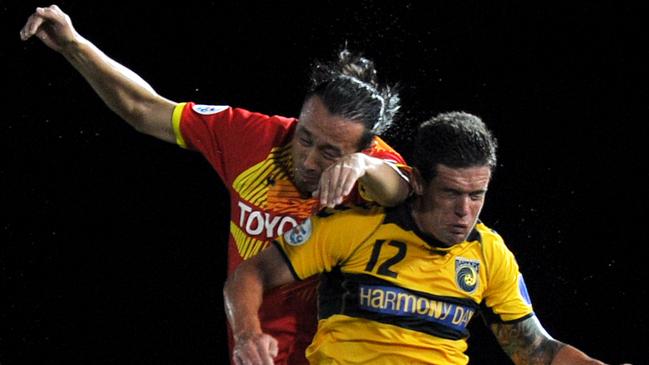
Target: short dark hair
x=456 y=140
x=349 y=88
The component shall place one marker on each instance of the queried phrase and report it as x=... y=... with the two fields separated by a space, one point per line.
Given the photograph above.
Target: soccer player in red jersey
x=278 y=170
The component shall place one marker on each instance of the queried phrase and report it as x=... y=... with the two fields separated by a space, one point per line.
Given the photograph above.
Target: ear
x=417 y=182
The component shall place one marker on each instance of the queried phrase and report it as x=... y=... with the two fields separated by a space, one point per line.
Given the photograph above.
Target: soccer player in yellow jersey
x=401 y=284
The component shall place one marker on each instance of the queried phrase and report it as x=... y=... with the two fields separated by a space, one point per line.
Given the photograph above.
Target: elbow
x=145 y=112
x=136 y=116
x=245 y=276
x=132 y=114
x=394 y=197
x=233 y=282
x=387 y=201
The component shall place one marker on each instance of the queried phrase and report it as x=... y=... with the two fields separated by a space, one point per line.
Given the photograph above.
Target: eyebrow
x=451 y=190
x=327 y=146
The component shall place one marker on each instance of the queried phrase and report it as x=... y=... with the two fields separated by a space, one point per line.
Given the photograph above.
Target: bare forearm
x=243 y=296
x=568 y=355
x=244 y=289
x=122 y=90
x=384 y=185
x=527 y=343
x=243 y=293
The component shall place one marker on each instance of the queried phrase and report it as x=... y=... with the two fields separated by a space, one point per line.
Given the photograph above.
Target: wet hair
x=456 y=140
x=349 y=88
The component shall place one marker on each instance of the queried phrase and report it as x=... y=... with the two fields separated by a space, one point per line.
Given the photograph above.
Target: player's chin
x=305 y=187
x=306 y=182
x=453 y=238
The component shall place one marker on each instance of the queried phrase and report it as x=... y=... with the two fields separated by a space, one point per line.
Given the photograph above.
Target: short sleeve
x=506 y=298
x=321 y=243
x=229 y=138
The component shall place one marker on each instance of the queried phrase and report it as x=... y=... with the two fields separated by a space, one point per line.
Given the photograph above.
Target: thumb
x=272 y=348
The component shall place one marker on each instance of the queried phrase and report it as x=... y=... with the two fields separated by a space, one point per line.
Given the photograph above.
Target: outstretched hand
x=52 y=26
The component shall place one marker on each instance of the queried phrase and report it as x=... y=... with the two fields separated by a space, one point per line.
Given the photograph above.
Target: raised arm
x=526 y=342
x=243 y=293
x=127 y=94
x=382 y=182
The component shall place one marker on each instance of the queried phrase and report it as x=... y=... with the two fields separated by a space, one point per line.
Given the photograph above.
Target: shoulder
x=338 y=228
x=352 y=218
x=235 y=114
x=351 y=212
x=380 y=149
x=492 y=242
x=488 y=235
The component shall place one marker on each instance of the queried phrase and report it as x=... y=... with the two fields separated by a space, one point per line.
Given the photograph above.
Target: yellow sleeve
x=506 y=294
x=320 y=243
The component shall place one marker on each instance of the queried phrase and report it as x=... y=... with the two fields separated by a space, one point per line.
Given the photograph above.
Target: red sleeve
x=382 y=150
x=231 y=139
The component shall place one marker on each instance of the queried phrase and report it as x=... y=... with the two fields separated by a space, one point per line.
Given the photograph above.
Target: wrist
x=246 y=334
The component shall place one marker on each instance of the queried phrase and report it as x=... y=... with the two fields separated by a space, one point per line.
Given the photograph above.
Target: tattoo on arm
x=526 y=342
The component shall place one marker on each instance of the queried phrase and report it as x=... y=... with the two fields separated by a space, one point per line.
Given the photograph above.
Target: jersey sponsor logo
x=467 y=273
x=299 y=234
x=256 y=223
x=208 y=109
x=404 y=303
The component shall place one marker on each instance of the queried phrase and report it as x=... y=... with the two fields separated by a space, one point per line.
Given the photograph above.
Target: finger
x=267 y=358
x=263 y=351
x=36 y=25
x=33 y=22
x=248 y=357
x=50 y=13
x=236 y=360
x=273 y=348
x=24 y=30
x=334 y=181
x=349 y=177
x=246 y=353
x=345 y=175
x=253 y=357
x=348 y=185
x=323 y=187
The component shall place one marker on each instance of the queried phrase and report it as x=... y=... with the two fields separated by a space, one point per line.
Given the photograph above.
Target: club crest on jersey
x=298 y=234
x=467 y=274
x=208 y=109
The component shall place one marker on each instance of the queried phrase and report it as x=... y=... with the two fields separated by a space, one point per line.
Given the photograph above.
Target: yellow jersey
x=392 y=294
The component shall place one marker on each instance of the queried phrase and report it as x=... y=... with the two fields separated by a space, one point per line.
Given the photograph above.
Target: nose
x=311 y=159
x=462 y=206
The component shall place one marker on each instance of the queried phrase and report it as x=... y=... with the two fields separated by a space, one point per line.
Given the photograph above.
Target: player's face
x=449 y=206
x=320 y=139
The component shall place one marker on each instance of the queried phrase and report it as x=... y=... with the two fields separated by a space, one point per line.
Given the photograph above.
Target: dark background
x=112 y=244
